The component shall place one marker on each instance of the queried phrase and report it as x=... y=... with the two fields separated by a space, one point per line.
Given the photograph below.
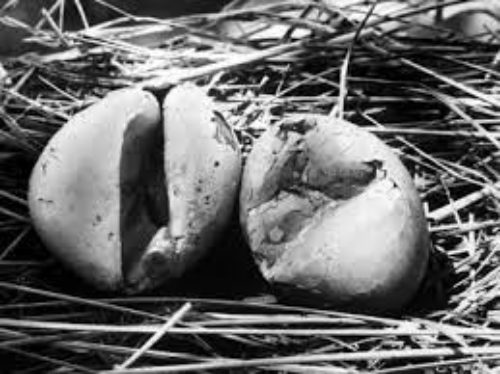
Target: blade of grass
x=172 y=320
x=306 y=359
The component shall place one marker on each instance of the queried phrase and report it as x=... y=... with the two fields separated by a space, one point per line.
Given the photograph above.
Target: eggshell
x=331 y=213
x=74 y=193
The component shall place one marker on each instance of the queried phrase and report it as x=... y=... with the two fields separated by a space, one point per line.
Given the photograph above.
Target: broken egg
x=331 y=213
x=129 y=200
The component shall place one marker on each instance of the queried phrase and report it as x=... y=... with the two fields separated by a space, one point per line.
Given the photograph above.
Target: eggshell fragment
x=76 y=186
x=330 y=212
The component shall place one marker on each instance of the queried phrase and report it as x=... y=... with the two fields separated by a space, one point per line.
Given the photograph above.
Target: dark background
x=29 y=12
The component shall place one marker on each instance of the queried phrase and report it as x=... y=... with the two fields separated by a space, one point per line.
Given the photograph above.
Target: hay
x=436 y=101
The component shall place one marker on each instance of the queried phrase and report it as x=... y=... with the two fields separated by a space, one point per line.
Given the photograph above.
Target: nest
x=434 y=100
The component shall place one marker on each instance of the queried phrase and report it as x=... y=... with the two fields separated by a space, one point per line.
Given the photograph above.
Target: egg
x=332 y=215
x=129 y=198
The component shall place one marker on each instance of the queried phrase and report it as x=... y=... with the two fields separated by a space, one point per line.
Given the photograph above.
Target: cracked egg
x=331 y=214
x=129 y=198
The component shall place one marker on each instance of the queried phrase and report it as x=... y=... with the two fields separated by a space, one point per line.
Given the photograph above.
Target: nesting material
x=433 y=100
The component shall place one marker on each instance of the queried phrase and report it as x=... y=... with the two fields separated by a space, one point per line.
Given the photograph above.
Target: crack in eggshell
x=143 y=199
x=325 y=268
x=202 y=165
x=306 y=181
x=273 y=152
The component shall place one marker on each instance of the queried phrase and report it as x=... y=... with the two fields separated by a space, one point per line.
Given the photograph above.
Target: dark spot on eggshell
x=97 y=220
x=45 y=201
x=53 y=153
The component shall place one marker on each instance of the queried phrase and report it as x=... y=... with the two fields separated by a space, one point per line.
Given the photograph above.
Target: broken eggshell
x=331 y=214
x=99 y=193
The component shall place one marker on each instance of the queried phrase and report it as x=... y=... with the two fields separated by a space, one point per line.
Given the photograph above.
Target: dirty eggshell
x=331 y=213
x=75 y=188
